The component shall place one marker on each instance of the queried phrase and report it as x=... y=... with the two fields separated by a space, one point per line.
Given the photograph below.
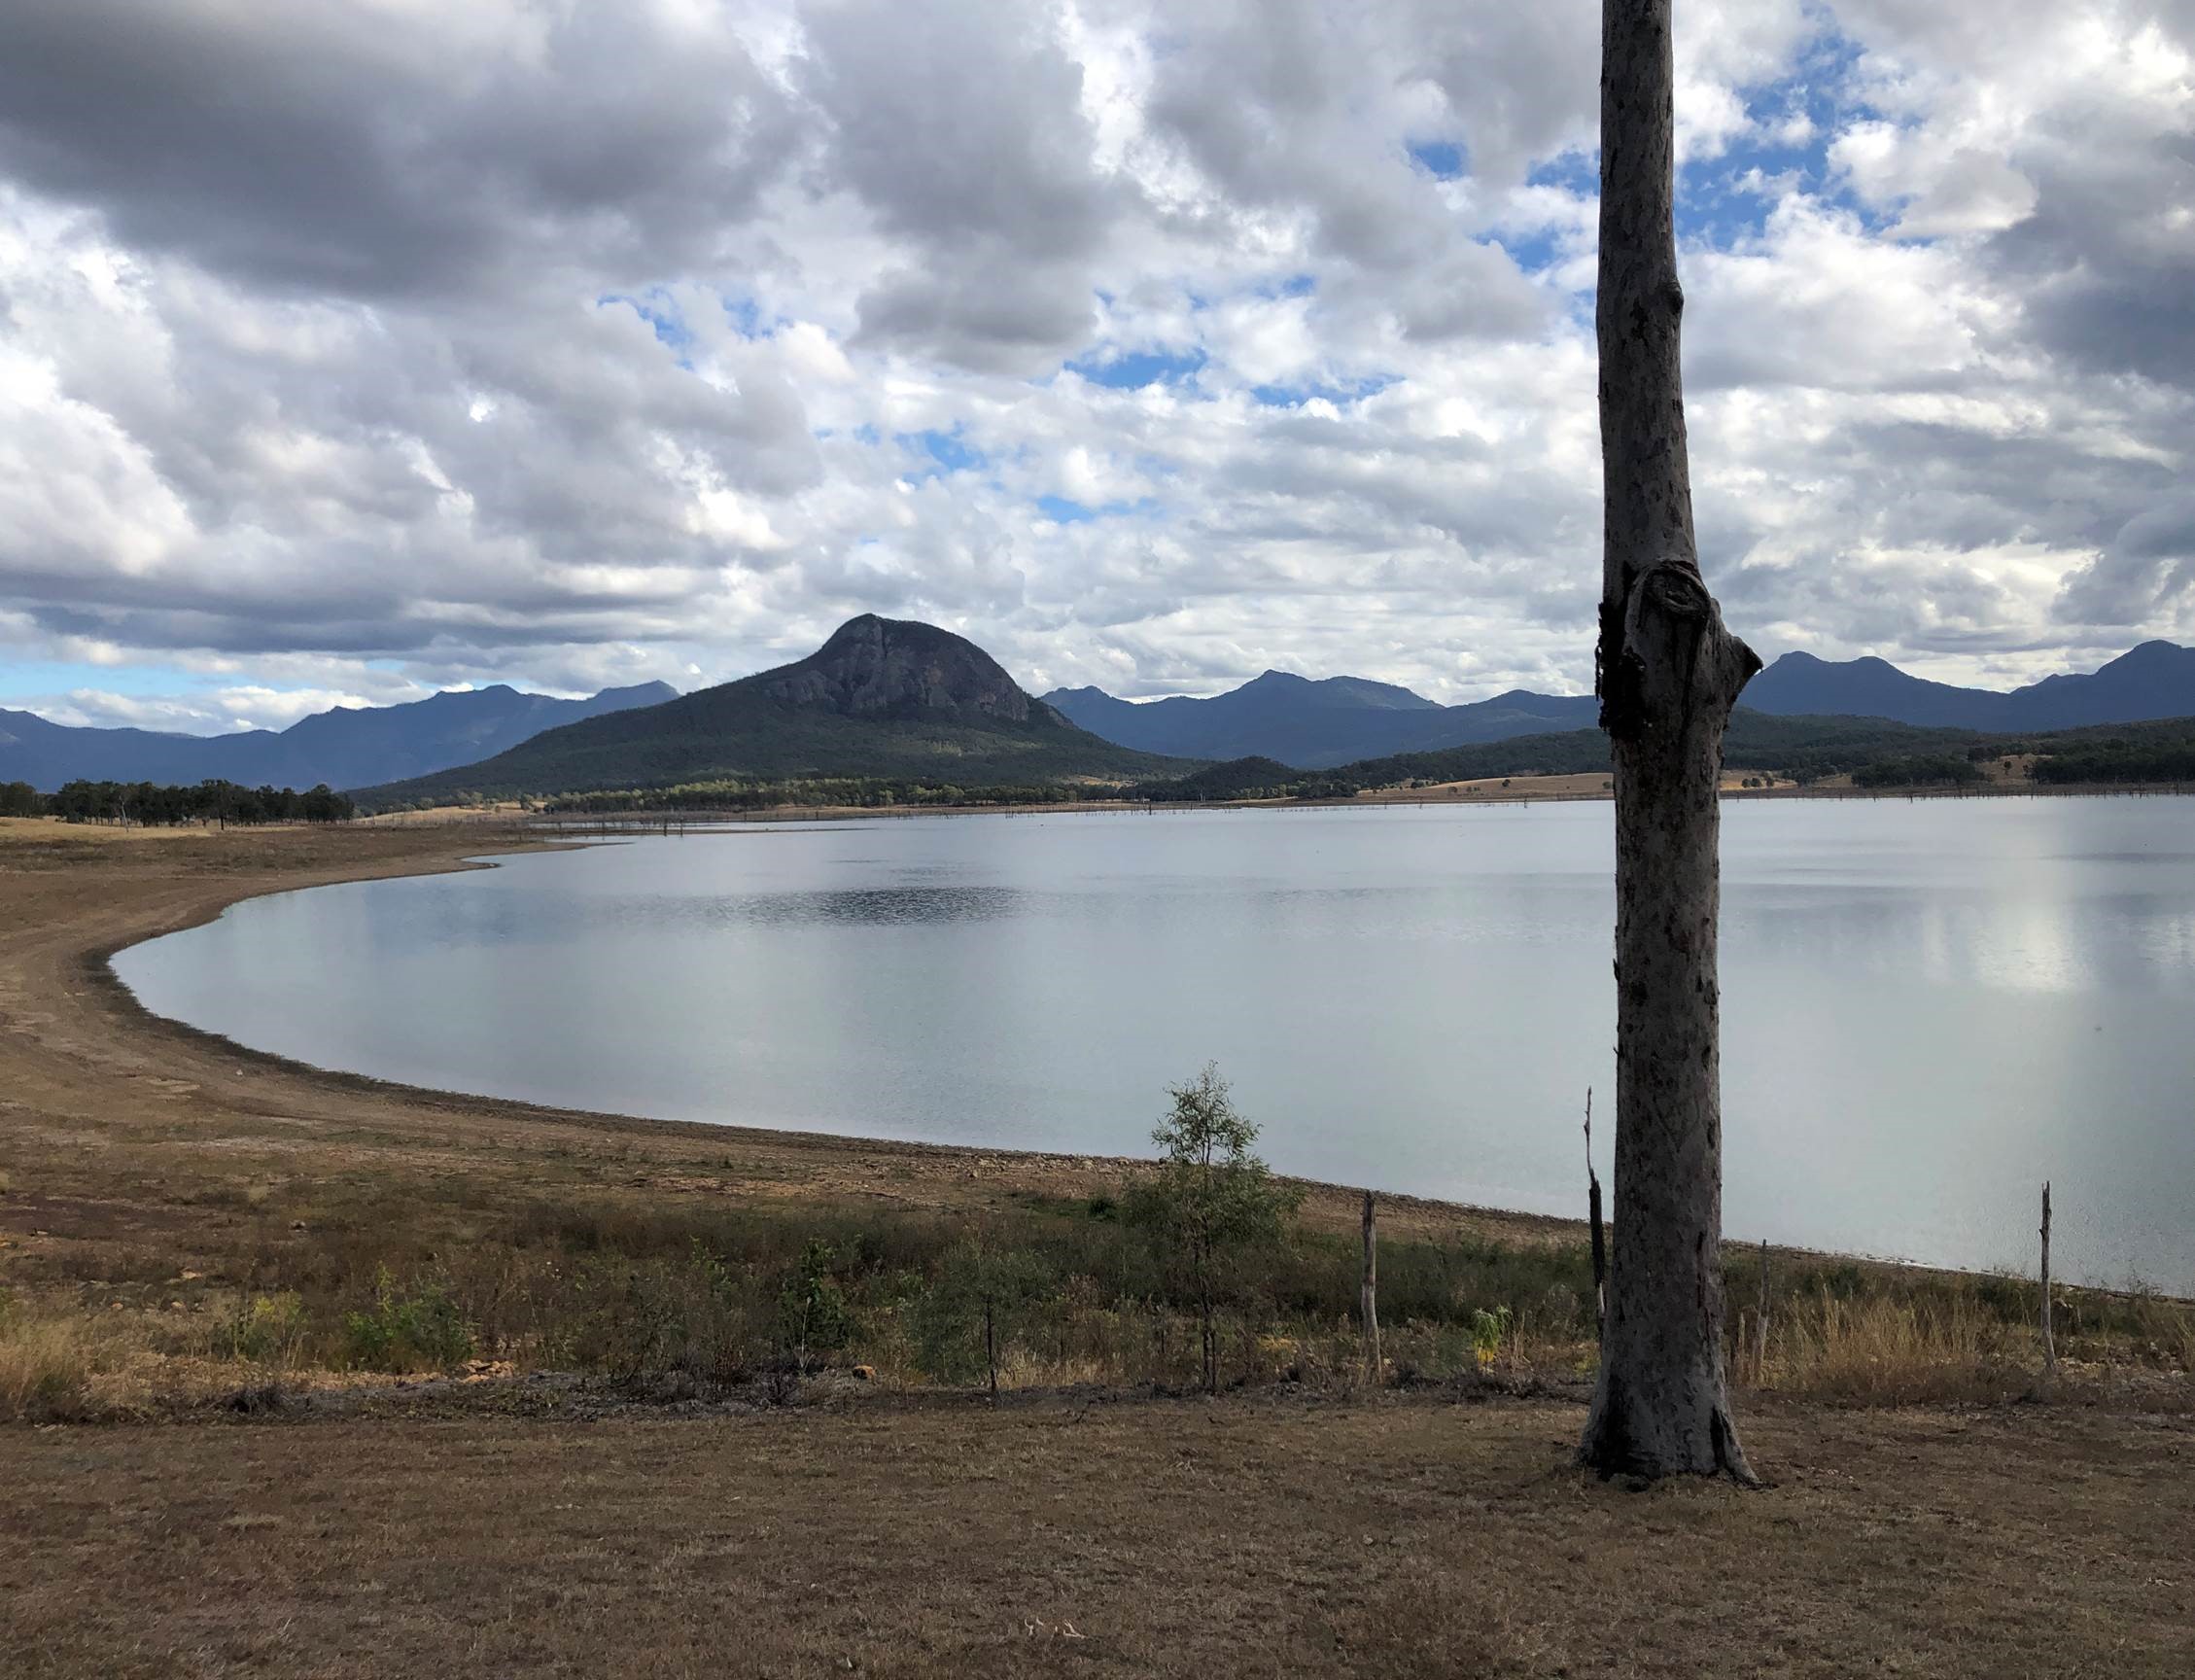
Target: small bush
x=408 y=1329
x=266 y=1330
x=968 y=1323
x=813 y=1314
x=1489 y=1331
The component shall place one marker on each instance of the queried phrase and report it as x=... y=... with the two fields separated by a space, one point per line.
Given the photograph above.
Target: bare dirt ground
x=1248 y=1537
x=503 y=1530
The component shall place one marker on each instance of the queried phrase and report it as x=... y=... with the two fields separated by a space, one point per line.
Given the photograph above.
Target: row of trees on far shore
x=148 y=804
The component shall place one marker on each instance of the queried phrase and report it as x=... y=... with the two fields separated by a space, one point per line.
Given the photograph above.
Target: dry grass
x=1896 y=1352
x=45 y=1366
x=1247 y=1537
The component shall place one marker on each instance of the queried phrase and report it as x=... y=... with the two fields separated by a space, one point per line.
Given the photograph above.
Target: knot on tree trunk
x=1664 y=657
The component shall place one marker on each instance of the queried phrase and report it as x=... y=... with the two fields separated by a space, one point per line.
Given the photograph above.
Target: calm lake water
x=1930 y=1007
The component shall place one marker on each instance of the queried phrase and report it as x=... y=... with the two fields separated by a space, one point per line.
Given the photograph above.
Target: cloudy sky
x=356 y=348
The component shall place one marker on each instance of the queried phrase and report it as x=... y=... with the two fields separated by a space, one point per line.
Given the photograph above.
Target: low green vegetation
x=1198 y=1271
x=409 y=1327
x=149 y=805
x=2153 y=753
x=1921 y=770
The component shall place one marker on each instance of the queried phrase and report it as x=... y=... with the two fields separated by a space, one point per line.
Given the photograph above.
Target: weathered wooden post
x=1761 y=1323
x=1368 y=1293
x=2049 y=1346
x=1600 y=1240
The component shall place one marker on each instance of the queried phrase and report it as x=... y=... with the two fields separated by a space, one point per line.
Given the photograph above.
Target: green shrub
x=813 y=1314
x=980 y=1303
x=1489 y=1331
x=408 y=1329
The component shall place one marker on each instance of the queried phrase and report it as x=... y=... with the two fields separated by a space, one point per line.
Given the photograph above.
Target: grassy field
x=312 y=1374
x=1257 y=1536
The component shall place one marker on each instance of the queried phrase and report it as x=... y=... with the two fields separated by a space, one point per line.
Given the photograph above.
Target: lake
x=1929 y=1006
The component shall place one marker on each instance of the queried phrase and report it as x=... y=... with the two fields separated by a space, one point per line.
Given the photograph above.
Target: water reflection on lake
x=1929 y=1006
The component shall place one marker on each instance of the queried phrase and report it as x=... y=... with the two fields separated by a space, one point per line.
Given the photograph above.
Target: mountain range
x=1315 y=725
x=348 y=746
x=1318 y=726
x=896 y=700
x=2155 y=679
x=884 y=698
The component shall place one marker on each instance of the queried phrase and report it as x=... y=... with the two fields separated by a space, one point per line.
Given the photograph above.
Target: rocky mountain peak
x=874 y=667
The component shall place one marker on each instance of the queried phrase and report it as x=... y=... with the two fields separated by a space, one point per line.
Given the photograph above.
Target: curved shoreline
x=106 y=1105
x=97 y=1081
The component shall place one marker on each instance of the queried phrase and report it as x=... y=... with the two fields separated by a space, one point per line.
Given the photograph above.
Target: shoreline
x=427 y=1126
x=85 y=1063
x=1480 y=795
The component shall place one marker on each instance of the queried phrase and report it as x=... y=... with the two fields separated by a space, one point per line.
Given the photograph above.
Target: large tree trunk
x=1668 y=675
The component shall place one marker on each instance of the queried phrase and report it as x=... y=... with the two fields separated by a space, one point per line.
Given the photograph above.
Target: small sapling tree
x=1212 y=1202
x=983 y=1291
x=813 y=1314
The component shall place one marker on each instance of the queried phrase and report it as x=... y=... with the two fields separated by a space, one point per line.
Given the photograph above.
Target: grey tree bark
x=1668 y=675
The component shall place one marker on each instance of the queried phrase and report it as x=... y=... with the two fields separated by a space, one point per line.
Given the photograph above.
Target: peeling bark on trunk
x=1668 y=676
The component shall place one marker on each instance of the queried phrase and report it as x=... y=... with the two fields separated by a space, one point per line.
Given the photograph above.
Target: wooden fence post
x=2049 y=1346
x=1761 y=1323
x=1368 y=1294
x=1600 y=1240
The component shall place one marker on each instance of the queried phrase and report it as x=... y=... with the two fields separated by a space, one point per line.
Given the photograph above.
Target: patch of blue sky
x=657 y=310
x=1726 y=199
x=1576 y=172
x=1062 y=511
x=1442 y=160
x=1534 y=249
x=25 y=678
x=1134 y=370
x=1339 y=394
x=745 y=317
x=940 y=454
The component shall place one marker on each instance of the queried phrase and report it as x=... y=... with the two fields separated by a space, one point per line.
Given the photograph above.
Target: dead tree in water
x=1668 y=675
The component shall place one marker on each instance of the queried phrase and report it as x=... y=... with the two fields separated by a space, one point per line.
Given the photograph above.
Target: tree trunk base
x=1661 y=1440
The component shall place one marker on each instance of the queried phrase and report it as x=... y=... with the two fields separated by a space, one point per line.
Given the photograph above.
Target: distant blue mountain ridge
x=1317 y=724
x=348 y=746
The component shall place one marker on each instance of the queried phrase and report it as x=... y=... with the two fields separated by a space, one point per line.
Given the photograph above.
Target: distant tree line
x=2120 y=760
x=1247 y=779
x=149 y=805
x=21 y=799
x=860 y=792
x=1919 y=770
